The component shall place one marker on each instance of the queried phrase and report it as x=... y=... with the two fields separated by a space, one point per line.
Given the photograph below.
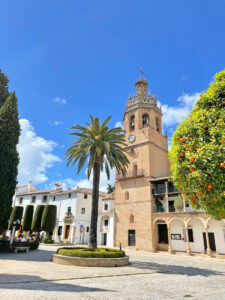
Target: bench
x=21 y=249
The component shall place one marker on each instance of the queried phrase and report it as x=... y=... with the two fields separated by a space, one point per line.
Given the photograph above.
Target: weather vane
x=141 y=70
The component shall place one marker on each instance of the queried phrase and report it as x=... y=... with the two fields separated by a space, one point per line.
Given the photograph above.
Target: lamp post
x=14 y=225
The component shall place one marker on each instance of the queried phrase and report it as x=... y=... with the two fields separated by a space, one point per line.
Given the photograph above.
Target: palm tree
x=102 y=148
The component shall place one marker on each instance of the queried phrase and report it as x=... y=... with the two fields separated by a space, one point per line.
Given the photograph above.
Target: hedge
x=36 y=223
x=5 y=245
x=48 y=218
x=28 y=216
x=88 y=252
x=16 y=214
x=48 y=240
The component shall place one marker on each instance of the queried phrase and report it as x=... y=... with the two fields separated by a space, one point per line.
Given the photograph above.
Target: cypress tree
x=28 y=216
x=36 y=223
x=9 y=138
x=48 y=218
x=4 y=93
x=17 y=214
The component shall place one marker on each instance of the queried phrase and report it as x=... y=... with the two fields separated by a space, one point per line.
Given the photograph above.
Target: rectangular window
x=191 y=236
x=131 y=238
x=54 y=198
x=85 y=196
x=20 y=200
x=69 y=209
x=106 y=206
x=60 y=230
x=45 y=197
x=82 y=210
x=106 y=222
x=187 y=204
x=87 y=229
x=69 y=195
x=33 y=199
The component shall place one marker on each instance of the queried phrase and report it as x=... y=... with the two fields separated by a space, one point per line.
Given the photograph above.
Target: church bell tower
x=147 y=151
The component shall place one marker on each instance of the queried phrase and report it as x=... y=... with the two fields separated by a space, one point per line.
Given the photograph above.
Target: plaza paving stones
x=149 y=276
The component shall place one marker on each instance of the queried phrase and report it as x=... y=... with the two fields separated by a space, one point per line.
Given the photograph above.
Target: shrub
x=28 y=216
x=5 y=245
x=48 y=240
x=88 y=252
x=48 y=218
x=16 y=214
x=197 y=152
x=36 y=223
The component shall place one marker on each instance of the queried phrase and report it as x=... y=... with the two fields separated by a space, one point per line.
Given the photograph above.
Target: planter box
x=90 y=262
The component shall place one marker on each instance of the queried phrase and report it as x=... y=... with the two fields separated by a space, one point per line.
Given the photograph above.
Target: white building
x=73 y=210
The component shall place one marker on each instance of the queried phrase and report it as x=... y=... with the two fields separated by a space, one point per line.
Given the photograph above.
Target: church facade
x=145 y=217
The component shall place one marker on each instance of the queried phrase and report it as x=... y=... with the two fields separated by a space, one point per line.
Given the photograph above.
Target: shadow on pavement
x=25 y=282
x=37 y=255
x=174 y=269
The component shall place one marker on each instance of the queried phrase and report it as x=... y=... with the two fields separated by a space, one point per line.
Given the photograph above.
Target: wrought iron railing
x=134 y=174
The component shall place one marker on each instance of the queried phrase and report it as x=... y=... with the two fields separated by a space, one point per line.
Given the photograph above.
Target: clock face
x=131 y=138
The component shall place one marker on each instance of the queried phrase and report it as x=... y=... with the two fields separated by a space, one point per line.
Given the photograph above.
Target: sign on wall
x=175 y=236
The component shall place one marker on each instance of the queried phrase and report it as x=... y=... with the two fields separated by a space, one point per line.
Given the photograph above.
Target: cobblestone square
x=148 y=276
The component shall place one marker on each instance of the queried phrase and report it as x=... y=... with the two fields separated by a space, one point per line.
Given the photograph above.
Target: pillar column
x=166 y=196
x=187 y=239
x=170 y=250
x=208 y=250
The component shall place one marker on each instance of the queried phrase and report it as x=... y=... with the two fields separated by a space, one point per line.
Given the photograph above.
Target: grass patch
x=88 y=252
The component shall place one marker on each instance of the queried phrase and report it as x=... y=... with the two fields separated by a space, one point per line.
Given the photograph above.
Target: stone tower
x=147 y=151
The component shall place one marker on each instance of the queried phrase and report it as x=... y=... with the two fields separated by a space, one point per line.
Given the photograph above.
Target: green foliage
x=48 y=218
x=88 y=252
x=48 y=240
x=17 y=214
x=102 y=148
x=9 y=138
x=197 y=153
x=36 y=223
x=110 y=188
x=178 y=203
x=97 y=143
x=28 y=216
x=5 y=245
x=4 y=92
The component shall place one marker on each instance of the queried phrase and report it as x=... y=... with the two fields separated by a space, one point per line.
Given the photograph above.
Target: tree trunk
x=94 y=211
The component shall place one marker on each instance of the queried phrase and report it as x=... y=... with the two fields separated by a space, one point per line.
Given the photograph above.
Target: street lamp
x=15 y=223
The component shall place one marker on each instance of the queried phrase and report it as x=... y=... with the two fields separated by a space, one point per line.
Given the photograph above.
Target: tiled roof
x=110 y=196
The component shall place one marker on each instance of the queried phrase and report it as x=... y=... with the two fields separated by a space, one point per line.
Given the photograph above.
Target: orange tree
x=197 y=154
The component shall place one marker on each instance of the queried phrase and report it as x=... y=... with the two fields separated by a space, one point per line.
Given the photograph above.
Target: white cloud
x=35 y=155
x=85 y=183
x=173 y=115
x=119 y=124
x=59 y=100
x=55 y=123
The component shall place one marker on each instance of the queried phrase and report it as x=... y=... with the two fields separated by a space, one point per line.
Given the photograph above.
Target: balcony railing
x=172 y=189
x=158 y=191
x=128 y=175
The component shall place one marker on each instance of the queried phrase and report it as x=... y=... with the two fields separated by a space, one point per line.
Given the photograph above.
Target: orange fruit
x=187 y=149
x=181 y=141
x=181 y=154
x=179 y=178
x=191 y=159
x=187 y=138
x=221 y=142
x=210 y=187
x=178 y=138
x=192 y=170
x=180 y=190
x=222 y=165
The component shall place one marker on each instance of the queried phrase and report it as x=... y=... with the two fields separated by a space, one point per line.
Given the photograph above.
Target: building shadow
x=175 y=269
x=25 y=282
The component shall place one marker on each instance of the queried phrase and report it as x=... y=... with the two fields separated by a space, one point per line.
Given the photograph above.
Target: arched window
x=132 y=122
x=145 y=120
x=131 y=218
x=134 y=169
x=157 y=124
x=126 y=195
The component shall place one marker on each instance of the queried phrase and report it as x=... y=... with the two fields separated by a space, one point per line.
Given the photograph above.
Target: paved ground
x=149 y=276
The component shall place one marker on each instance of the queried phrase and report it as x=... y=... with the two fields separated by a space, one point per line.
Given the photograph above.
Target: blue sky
x=69 y=59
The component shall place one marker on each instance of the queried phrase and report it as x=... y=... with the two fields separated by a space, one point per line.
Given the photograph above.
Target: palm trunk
x=94 y=212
